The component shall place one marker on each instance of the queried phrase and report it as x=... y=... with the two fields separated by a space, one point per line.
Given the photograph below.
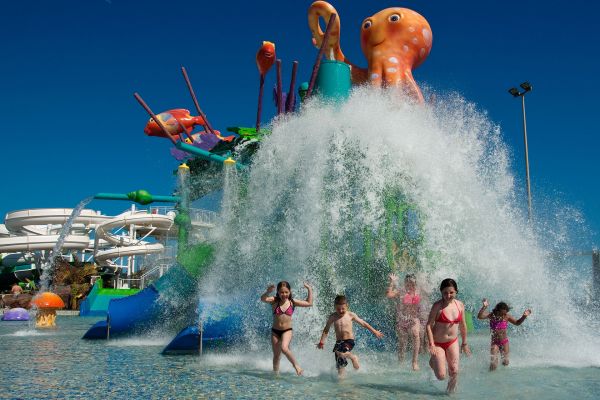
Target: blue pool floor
x=45 y=364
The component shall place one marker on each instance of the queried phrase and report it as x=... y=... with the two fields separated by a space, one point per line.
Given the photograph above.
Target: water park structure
x=338 y=206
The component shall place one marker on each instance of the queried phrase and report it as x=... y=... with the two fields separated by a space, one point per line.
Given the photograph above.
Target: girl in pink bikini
x=446 y=321
x=283 y=306
x=499 y=319
x=408 y=307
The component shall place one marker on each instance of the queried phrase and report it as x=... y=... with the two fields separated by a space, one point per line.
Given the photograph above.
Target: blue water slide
x=168 y=303
x=218 y=324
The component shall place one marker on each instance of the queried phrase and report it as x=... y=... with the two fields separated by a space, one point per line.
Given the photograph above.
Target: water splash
x=47 y=267
x=322 y=203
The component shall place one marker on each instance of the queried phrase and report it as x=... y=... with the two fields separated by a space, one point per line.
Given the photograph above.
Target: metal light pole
x=526 y=86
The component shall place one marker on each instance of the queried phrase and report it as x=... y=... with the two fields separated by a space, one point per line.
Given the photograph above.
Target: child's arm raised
x=519 y=321
x=483 y=313
x=365 y=324
x=309 y=298
x=325 y=333
x=392 y=290
x=265 y=296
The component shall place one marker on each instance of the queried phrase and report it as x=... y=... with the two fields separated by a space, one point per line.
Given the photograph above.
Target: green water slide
x=96 y=302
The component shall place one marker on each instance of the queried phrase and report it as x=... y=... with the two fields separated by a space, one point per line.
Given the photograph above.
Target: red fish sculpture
x=265 y=57
x=394 y=41
x=178 y=122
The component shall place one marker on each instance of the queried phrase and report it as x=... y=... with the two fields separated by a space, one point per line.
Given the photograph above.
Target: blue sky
x=71 y=127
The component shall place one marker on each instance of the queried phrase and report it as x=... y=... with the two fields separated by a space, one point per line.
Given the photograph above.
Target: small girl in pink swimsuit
x=283 y=306
x=408 y=310
x=499 y=319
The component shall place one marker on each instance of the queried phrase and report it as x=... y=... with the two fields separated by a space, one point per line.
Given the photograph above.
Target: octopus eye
x=367 y=24
x=394 y=18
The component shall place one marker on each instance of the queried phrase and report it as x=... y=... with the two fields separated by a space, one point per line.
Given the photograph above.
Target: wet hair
x=502 y=306
x=340 y=299
x=410 y=278
x=448 y=282
x=283 y=284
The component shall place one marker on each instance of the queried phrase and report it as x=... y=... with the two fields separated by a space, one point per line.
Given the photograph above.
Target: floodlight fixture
x=526 y=86
x=514 y=92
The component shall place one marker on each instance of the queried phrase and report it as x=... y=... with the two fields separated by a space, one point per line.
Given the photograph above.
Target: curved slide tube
x=34 y=229
x=153 y=224
x=165 y=301
x=26 y=231
x=219 y=325
x=36 y=221
x=42 y=242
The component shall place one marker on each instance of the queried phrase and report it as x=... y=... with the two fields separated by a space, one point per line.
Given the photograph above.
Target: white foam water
x=319 y=185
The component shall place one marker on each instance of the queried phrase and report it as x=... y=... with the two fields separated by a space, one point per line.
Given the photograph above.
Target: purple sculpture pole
x=260 y=96
x=154 y=117
x=208 y=126
x=279 y=89
x=313 y=76
x=291 y=97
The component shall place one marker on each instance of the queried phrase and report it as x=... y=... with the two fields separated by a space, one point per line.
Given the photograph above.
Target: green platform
x=96 y=302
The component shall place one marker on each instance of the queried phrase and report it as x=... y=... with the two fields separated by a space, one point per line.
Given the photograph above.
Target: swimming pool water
x=45 y=364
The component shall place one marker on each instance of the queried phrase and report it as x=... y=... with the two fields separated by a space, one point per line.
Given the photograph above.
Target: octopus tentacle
x=411 y=87
x=322 y=9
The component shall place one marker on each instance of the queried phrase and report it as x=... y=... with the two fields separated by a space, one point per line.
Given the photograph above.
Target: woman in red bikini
x=443 y=326
x=408 y=307
x=281 y=333
x=499 y=319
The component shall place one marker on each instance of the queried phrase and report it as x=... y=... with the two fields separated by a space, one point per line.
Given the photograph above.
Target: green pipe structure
x=111 y=196
x=205 y=155
x=139 y=196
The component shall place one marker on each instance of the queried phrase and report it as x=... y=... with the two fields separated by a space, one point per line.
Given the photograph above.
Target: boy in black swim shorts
x=342 y=320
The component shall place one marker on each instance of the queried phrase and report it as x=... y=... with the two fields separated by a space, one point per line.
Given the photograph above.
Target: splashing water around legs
x=317 y=205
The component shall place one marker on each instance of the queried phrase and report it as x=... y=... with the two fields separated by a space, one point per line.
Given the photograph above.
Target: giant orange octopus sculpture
x=395 y=41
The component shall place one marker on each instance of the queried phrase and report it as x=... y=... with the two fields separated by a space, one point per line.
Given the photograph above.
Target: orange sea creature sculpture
x=180 y=124
x=265 y=57
x=394 y=41
x=177 y=122
x=47 y=303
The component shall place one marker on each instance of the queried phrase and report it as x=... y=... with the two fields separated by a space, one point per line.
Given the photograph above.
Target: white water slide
x=136 y=223
x=28 y=231
x=38 y=229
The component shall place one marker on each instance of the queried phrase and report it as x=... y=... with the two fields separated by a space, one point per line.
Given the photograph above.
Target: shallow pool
x=58 y=364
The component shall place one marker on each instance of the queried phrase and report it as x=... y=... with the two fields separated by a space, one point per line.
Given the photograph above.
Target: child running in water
x=283 y=306
x=499 y=319
x=446 y=320
x=408 y=324
x=342 y=320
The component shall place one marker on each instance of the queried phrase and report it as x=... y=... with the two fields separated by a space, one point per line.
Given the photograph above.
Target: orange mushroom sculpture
x=47 y=303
